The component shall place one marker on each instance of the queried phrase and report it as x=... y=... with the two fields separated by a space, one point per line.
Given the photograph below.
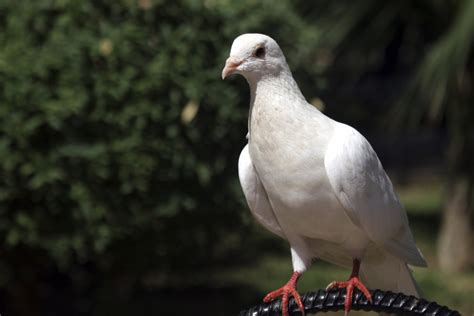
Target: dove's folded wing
x=367 y=194
x=256 y=195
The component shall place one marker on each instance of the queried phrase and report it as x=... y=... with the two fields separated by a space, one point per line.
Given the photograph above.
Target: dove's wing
x=365 y=191
x=256 y=195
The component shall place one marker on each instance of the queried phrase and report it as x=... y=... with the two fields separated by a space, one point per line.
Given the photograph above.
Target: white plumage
x=317 y=182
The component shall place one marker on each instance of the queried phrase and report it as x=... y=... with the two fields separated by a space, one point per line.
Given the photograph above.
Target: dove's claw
x=287 y=290
x=349 y=285
x=331 y=285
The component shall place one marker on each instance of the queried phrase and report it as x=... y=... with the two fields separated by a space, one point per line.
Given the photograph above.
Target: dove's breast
x=287 y=149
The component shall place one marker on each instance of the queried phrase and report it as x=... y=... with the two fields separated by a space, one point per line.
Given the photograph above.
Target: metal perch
x=333 y=300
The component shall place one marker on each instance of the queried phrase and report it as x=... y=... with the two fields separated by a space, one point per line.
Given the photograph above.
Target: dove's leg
x=301 y=260
x=287 y=290
x=349 y=285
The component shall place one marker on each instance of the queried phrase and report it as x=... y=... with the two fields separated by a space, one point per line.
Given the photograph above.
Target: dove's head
x=253 y=56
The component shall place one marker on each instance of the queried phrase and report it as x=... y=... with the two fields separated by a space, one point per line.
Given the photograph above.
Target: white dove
x=317 y=183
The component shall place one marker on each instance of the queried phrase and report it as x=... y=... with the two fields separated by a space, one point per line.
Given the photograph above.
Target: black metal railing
x=333 y=300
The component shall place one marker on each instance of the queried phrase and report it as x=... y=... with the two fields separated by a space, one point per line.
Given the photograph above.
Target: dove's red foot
x=349 y=285
x=285 y=291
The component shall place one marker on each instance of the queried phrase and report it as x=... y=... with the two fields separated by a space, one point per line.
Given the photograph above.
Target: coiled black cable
x=333 y=300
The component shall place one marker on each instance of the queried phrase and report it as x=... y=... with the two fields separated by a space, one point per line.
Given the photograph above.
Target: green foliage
x=116 y=130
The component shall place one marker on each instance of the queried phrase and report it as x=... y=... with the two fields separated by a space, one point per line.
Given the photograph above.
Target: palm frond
x=445 y=63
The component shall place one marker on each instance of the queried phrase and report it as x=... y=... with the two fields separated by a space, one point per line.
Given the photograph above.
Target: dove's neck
x=282 y=85
x=274 y=90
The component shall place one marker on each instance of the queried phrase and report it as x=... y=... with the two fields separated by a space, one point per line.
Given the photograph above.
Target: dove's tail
x=386 y=272
x=389 y=273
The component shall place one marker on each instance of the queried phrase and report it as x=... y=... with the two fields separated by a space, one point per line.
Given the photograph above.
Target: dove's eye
x=260 y=52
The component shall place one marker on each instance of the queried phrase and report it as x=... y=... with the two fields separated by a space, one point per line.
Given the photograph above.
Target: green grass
x=424 y=204
x=422 y=198
x=453 y=290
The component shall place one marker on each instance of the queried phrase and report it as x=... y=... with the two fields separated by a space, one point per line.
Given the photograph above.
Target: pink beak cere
x=230 y=67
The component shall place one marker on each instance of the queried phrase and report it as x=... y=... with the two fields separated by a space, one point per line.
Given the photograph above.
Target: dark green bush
x=117 y=137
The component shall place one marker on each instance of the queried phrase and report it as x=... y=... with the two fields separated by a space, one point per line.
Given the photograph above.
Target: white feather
x=255 y=194
x=367 y=194
x=261 y=209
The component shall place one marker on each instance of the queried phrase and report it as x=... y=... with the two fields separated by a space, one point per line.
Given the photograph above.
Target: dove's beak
x=230 y=67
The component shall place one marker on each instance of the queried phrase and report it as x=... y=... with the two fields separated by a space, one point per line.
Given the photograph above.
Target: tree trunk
x=455 y=240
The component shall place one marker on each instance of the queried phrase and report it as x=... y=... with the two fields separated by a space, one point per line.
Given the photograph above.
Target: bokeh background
x=119 y=144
